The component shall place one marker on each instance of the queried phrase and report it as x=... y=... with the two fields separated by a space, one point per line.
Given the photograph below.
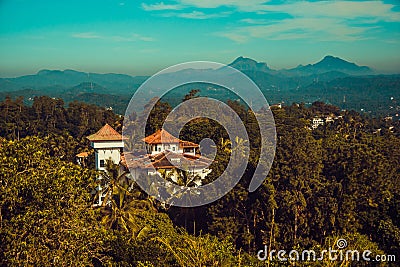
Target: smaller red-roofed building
x=162 y=140
x=166 y=153
x=81 y=158
x=108 y=145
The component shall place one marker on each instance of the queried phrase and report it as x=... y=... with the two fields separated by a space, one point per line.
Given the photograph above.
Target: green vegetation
x=338 y=181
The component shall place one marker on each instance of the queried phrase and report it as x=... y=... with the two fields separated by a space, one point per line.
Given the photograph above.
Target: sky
x=143 y=37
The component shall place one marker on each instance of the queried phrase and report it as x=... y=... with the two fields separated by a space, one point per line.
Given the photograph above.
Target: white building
x=165 y=154
x=108 y=145
x=317 y=122
x=162 y=140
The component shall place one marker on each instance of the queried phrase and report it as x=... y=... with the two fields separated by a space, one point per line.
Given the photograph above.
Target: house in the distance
x=317 y=122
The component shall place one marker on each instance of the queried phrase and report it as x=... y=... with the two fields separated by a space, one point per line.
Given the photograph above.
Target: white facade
x=107 y=150
x=158 y=148
x=155 y=149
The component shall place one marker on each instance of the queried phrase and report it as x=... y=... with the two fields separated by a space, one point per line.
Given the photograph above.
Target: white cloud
x=161 y=6
x=115 y=38
x=237 y=36
x=341 y=8
x=243 y=5
x=333 y=9
x=313 y=29
x=202 y=15
x=86 y=35
x=131 y=38
x=343 y=20
x=254 y=21
x=338 y=9
x=320 y=21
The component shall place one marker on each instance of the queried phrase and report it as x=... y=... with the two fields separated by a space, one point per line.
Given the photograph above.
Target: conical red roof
x=106 y=133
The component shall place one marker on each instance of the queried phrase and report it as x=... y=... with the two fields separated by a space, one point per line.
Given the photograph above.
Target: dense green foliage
x=46 y=219
x=341 y=179
x=338 y=181
x=49 y=116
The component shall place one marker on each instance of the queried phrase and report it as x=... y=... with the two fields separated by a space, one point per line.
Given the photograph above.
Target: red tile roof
x=107 y=133
x=187 y=144
x=161 y=161
x=155 y=138
x=82 y=155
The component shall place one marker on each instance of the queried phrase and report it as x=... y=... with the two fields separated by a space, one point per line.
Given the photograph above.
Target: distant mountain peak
x=329 y=57
x=328 y=60
x=331 y=63
x=47 y=72
x=243 y=59
x=247 y=64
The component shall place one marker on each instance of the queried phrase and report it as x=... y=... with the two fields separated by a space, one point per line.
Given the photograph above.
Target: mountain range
x=330 y=80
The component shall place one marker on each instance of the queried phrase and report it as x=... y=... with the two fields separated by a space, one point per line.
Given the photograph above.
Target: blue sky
x=142 y=37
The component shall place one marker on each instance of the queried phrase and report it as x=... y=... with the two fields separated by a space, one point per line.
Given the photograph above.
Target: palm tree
x=226 y=145
x=123 y=213
x=121 y=208
x=106 y=182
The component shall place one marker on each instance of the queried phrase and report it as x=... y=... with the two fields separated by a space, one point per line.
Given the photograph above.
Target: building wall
x=102 y=155
x=107 y=144
x=174 y=147
x=155 y=149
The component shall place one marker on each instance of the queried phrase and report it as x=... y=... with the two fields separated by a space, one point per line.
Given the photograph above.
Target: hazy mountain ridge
x=327 y=64
x=118 y=83
x=329 y=80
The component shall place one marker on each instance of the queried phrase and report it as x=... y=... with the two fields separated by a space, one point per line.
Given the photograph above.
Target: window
x=159 y=149
x=173 y=148
x=102 y=165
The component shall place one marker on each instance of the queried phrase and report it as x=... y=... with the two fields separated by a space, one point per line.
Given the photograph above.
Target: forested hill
x=339 y=181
